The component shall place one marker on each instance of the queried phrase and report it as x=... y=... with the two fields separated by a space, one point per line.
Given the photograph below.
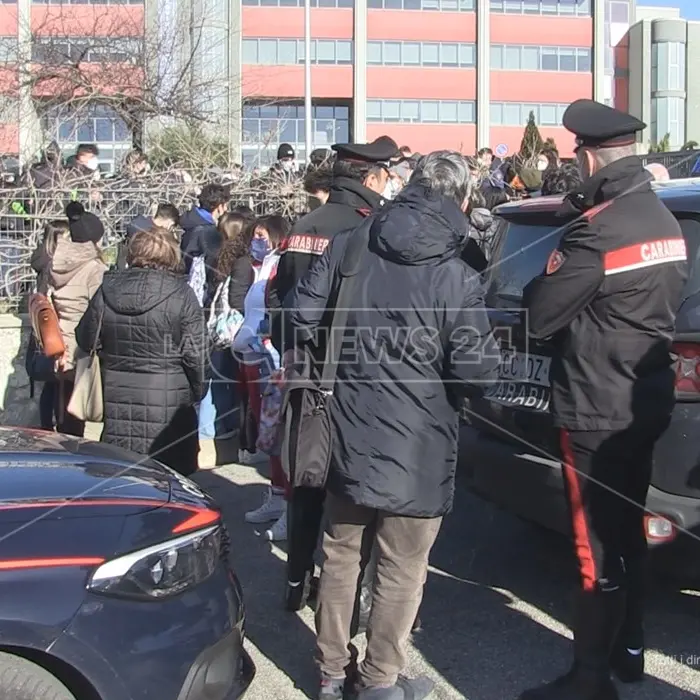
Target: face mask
x=287 y=165
x=92 y=163
x=542 y=165
x=389 y=191
x=259 y=248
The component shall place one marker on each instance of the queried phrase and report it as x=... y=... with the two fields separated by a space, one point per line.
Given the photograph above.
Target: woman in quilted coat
x=151 y=338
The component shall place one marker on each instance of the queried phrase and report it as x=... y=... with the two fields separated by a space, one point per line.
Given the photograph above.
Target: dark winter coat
x=153 y=358
x=419 y=330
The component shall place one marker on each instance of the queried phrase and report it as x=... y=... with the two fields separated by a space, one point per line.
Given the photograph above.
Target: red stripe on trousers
x=582 y=541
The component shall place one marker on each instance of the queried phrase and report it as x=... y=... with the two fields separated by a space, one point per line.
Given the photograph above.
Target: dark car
x=115 y=580
x=513 y=458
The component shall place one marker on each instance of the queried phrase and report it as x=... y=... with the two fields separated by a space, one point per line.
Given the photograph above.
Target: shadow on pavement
x=497 y=596
x=280 y=636
x=497 y=651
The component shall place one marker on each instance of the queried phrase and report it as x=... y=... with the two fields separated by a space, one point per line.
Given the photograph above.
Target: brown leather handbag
x=47 y=330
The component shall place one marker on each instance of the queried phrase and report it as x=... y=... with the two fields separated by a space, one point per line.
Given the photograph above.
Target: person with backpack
x=219 y=411
x=255 y=355
x=201 y=240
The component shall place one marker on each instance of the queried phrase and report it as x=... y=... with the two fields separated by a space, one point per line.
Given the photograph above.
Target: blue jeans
x=219 y=409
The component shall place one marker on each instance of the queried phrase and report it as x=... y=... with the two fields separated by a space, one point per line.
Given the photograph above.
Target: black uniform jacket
x=347 y=206
x=417 y=338
x=608 y=301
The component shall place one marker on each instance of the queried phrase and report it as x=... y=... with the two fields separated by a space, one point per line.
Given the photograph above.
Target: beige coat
x=75 y=275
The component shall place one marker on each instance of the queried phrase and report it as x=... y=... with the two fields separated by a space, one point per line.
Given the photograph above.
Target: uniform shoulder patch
x=555 y=261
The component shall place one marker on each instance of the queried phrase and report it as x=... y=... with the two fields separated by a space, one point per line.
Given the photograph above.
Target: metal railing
x=25 y=211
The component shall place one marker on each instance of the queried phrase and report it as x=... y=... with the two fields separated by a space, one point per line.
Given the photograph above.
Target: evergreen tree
x=532 y=142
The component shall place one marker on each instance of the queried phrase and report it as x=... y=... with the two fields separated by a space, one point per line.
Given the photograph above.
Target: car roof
x=678 y=195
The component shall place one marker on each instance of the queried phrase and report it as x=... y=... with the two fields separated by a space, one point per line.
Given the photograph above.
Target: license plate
x=524 y=367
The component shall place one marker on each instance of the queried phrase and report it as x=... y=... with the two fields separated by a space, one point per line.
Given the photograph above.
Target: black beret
x=379 y=151
x=599 y=126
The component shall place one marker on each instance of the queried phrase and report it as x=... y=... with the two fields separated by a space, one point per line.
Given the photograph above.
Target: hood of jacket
x=137 y=290
x=69 y=258
x=192 y=219
x=418 y=228
x=481 y=219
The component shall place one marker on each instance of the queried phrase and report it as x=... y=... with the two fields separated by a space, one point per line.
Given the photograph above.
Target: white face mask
x=92 y=163
x=287 y=165
x=542 y=165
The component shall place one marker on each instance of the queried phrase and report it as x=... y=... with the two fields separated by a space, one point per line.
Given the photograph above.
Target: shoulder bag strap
x=347 y=271
x=96 y=342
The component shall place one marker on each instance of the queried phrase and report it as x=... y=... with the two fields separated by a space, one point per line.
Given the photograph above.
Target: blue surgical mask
x=259 y=248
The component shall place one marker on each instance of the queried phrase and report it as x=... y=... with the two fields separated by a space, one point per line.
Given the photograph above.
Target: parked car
x=115 y=578
x=514 y=459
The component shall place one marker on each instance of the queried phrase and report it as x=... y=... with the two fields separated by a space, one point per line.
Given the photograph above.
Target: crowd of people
x=215 y=306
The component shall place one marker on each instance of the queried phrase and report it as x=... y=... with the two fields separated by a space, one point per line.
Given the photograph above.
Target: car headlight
x=162 y=570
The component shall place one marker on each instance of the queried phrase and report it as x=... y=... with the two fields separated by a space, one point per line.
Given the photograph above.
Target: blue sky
x=690 y=9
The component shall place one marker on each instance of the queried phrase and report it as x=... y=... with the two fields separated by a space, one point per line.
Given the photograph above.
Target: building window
x=417 y=53
x=292 y=3
x=668 y=117
x=265 y=127
x=8 y=49
x=533 y=58
x=668 y=66
x=517 y=113
x=289 y=52
x=580 y=8
x=427 y=5
x=421 y=111
x=84 y=2
x=97 y=124
x=59 y=50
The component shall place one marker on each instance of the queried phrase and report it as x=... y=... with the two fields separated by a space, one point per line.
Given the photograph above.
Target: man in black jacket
x=608 y=300
x=420 y=338
x=360 y=174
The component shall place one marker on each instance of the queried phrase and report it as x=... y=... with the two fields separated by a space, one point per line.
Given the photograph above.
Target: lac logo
x=555 y=261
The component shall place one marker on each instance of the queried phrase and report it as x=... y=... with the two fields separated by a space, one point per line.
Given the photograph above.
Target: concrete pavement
x=495 y=610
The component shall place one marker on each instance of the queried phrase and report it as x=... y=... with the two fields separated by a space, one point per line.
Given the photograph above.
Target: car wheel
x=23 y=680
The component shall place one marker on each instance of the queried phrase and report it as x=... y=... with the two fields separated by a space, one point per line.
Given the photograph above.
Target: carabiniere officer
x=607 y=301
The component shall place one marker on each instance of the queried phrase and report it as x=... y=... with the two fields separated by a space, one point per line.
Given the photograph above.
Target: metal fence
x=24 y=212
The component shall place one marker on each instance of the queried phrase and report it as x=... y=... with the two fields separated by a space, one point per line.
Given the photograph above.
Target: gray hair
x=445 y=173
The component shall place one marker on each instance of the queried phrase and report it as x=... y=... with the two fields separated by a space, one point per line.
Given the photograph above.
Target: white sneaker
x=272 y=507
x=251 y=458
x=278 y=532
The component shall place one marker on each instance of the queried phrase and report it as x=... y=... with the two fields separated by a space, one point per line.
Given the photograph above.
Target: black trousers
x=305 y=520
x=606 y=477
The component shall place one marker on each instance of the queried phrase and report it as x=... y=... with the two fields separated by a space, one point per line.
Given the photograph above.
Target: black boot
x=598 y=619
x=627 y=660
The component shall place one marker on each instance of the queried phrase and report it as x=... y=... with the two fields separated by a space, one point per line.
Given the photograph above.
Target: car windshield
x=526 y=247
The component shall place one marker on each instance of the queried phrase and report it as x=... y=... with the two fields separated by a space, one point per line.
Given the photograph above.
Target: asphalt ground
x=495 y=611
